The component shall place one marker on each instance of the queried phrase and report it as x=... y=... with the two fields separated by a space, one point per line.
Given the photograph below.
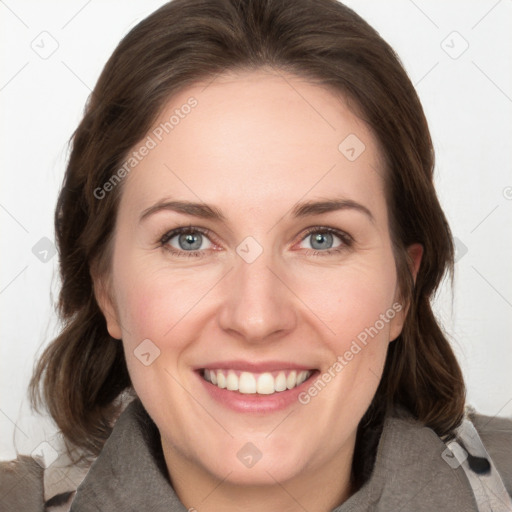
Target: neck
x=319 y=489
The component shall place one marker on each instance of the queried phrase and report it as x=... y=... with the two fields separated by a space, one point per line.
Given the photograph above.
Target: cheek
x=351 y=300
x=153 y=304
x=155 y=308
x=159 y=303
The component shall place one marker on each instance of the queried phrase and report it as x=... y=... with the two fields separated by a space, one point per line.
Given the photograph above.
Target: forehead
x=257 y=138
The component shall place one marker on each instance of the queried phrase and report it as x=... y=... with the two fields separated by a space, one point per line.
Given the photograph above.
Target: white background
x=468 y=102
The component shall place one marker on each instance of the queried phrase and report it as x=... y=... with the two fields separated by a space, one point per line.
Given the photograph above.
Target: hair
x=82 y=373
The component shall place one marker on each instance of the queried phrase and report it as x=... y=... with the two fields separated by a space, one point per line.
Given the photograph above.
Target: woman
x=249 y=239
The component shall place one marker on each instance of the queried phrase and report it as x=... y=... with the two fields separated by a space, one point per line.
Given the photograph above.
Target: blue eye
x=326 y=240
x=321 y=240
x=186 y=240
x=194 y=241
x=190 y=241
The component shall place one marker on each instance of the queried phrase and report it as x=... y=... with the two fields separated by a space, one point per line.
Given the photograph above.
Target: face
x=252 y=249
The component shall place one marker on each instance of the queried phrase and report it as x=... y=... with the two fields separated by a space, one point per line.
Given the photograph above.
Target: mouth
x=255 y=387
x=251 y=383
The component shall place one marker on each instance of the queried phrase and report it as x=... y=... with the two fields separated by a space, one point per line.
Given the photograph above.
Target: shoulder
x=48 y=481
x=27 y=485
x=496 y=436
x=21 y=485
x=61 y=480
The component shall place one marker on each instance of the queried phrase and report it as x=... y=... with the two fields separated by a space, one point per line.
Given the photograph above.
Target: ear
x=415 y=254
x=107 y=306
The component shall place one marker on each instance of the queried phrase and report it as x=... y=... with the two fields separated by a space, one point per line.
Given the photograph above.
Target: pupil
x=189 y=241
x=321 y=241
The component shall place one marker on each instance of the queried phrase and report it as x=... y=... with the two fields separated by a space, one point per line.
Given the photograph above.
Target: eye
x=326 y=240
x=186 y=241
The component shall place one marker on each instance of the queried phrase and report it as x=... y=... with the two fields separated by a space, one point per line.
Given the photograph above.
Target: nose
x=258 y=306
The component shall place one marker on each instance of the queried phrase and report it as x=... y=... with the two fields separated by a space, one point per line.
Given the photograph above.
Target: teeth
x=232 y=381
x=280 y=382
x=247 y=383
x=291 y=381
x=301 y=377
x=251 y=383
x=266 y=384
x=221 y=380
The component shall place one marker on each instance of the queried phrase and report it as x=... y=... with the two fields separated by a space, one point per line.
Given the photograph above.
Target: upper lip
x=248 y=366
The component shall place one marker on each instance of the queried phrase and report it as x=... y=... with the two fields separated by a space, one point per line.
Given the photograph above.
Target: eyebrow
x=201 y=210
x=329 y=205
x=304 y=209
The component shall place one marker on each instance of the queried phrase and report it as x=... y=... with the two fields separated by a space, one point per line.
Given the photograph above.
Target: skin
x=254 y=146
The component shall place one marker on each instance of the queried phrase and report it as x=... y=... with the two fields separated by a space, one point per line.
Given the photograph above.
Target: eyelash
x=346 y=239
x=183 y=231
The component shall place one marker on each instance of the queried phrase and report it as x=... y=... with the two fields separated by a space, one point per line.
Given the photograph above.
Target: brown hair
x=83 y=371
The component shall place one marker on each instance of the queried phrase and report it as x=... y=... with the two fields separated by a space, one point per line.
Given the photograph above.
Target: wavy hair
x=82 y=373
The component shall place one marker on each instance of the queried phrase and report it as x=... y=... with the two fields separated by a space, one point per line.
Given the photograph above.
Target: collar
x=130 y=472
x=410 y=472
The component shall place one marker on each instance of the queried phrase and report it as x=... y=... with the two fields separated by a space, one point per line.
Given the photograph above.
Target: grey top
x=413 y=470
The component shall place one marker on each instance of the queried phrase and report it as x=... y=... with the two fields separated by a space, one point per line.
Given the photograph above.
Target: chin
x=251 y=461
x=264 y=472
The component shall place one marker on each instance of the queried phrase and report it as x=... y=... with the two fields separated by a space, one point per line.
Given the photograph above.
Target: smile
x=266 y=383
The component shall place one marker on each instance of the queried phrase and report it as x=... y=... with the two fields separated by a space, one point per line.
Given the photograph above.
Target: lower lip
x=255 y=403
